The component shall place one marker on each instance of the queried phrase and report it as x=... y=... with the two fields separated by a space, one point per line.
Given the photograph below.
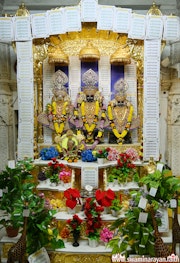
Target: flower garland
x=59 y=121
x=90 y=128
x=118 y=135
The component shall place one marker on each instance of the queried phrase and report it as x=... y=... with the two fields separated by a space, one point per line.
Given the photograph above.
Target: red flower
x=72 y=195
x=93 y=217
x=55 y=167
x=104 y=198
x=74 y=223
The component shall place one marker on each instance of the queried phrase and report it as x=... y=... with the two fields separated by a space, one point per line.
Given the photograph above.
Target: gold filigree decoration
x=121 y=56
x=154 y=10
x=22 y=11
x=58 y=257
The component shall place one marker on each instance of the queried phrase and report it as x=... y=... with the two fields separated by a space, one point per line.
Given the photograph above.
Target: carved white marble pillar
x=174 y=127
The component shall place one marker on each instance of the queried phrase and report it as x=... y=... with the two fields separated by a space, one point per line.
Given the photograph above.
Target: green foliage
x=12 y=181
x=54 y=178
x=122 y=174
x=134 y=237
x=166 y=185
x=40 y=226
x=116 y=204
x=20 y=191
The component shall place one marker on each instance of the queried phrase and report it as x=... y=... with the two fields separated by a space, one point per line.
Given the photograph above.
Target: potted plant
x=65 y=176
x=132 y=236
x=113 y=154
x=126 y=167
x=12 y=181
x=106 y=235
x=104 y=198
x=65 y=232
x=54 y=179
x=92 y=213
x=101 y=155
x=53 y=170
x=125 y=170
x=72 y=196
x=137 y=228
x=115 y=206
x=74 y=224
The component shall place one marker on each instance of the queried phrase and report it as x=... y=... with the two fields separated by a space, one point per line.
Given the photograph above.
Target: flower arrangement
x=56 y=203
x=113 y=154
x=93 y=212
x=126 y=168
x=75 y=223
x=48 y=153
x=132 y=153
x=65 y=175
x=72 y=196
x=106 y=235
x=104 y=198
x=53 y=170
x=65 y=233
x=87 y=156
x=103 y=153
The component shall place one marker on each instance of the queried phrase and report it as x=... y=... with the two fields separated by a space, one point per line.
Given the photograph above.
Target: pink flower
x=112 y=154
x=133 y=154
x=64 y=173
x=106 y=235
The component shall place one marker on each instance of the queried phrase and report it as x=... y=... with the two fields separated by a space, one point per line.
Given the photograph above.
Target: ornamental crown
x=59 y=80
x=121 y=87
x=90 y=78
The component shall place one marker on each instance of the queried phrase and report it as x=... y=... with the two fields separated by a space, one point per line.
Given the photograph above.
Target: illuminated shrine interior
x=90 y=102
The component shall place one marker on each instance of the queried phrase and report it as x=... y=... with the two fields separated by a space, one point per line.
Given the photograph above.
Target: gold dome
x=89 y=53
x=57 y=56
x=121 y=56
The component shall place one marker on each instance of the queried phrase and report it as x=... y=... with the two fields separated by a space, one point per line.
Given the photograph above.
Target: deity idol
x=120 y=115
x=57 y=112
x=69 y=145
x=89 y=111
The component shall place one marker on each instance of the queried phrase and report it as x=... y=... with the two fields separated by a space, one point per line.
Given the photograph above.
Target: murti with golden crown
x=120 y=112
x=89 y=111
x=57 y=112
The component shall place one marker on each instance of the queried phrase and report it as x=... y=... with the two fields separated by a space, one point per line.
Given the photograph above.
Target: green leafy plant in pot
x=116 y=206
x=11 y=183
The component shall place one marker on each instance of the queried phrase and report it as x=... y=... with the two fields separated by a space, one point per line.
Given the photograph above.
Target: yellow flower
x=50 y=232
